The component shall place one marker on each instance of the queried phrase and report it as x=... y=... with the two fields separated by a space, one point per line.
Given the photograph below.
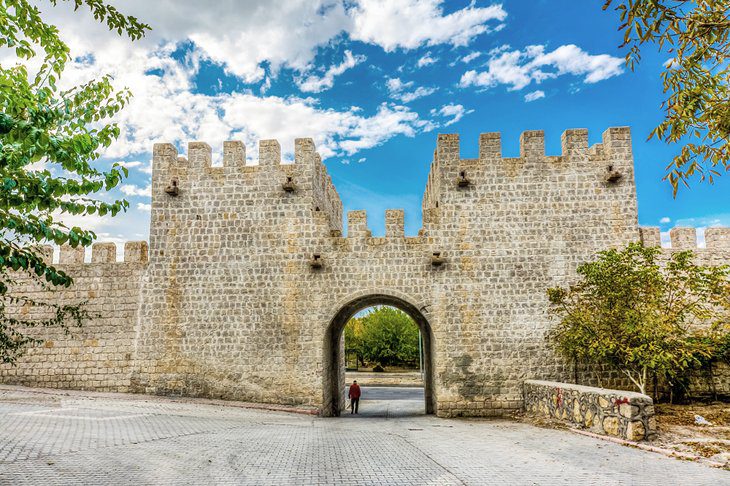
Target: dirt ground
x=678 y=431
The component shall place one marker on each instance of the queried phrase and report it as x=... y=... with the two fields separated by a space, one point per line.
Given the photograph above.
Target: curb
x=650 y=448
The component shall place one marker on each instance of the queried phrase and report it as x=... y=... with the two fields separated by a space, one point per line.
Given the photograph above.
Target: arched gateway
x=251 y=275
x=334 y=368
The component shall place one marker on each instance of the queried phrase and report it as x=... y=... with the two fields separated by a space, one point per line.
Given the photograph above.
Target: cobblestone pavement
x=65 y=438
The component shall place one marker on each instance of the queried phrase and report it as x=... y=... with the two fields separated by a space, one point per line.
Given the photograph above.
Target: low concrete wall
x=624 y=414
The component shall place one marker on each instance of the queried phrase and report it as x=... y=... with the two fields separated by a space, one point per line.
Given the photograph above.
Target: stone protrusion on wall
x=683 y=238
x=135 y=252
x=447 y=148
x=532 y=144
x=616 y=158
x=164 y=154
x=103 y=253
x=650 y=236
x=269 y=153
x=200 y=155
x=357 y=224
x=490 y=145
x=717 y=238
x=617 y=139
x=574 y=141
x=394 y=223
x=303 y=149
x=71 y=254
x=234 y=156
x=46 y=253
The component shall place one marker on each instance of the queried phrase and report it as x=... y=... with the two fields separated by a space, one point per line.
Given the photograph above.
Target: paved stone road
x=56 y=438
x=391 y=402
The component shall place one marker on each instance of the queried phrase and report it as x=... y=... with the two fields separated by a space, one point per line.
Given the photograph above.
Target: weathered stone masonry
x=231 y=304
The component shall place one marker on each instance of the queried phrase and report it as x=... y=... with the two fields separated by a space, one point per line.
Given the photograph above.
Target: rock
x=636 y=431
x=700 y=420
x=610 y=426
x=629 y=411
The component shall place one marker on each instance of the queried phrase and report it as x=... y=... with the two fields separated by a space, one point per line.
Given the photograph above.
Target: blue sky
x=374 y=82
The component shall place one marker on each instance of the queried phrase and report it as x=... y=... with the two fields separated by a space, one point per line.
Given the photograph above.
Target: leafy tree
x=353 y=339
x=639 y=314
x=696 y=79
x=386 y=336
x=49 y=138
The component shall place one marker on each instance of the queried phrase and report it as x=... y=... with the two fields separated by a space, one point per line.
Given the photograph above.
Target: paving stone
x=103 y=439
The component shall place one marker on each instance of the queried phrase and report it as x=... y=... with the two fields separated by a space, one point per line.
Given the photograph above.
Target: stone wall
x=231 y=305
x=242 y=314
x=99 y=355
x=623 y=414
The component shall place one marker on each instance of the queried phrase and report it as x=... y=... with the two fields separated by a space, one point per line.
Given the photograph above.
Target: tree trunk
x=713 y=388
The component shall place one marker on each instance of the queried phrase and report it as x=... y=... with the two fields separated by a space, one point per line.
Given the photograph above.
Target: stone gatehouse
x=249 y=277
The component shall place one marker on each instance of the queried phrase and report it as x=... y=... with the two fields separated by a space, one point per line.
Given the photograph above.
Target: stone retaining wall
x=628 y=415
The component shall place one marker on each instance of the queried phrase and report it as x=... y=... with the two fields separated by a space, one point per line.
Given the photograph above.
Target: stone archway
x=334 y=372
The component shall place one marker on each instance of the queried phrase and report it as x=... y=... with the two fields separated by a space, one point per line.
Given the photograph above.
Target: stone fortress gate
x=249 y=278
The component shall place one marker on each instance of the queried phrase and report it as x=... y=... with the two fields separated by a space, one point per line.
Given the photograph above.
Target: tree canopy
x=385 y=336
x=49 y=139
x=633 y=312
x=696 y=76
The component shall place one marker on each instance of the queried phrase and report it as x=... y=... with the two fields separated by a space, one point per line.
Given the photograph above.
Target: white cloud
x=244 y=38
x=426 y=60
x=144 y=207
x=334 y=132
x=665 y=220
x=132 y=190
x=408 y=24
x=238 y=35
x=518 y=69
x=535 y=95
x=249 y=35
x=165 y=108
x=315 y=84
x=131 y=164
x=456 y=112
x=400 y=91
x=470 y=57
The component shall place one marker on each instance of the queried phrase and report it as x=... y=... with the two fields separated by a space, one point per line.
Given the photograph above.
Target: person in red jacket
x=354 y=395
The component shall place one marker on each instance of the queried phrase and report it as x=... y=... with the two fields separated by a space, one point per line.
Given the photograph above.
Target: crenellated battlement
x=101 y=252
x=685 y=238
x=574 y=142
x=199 y=156
x=184 y=182
x=599 y=176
